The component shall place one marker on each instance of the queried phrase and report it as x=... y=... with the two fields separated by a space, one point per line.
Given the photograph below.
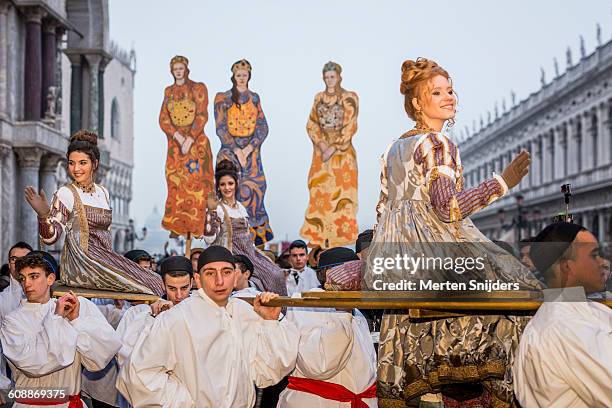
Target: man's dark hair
x=244 y=263
x=22 y=245
x=35 y=260
x=298 y=243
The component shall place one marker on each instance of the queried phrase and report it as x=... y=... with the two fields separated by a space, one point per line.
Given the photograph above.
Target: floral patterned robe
x=330 y=219
x=189 y=176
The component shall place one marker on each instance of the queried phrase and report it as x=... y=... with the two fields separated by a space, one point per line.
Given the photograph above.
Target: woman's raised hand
x=517 y=169
x=211 y=201
x=38 y=202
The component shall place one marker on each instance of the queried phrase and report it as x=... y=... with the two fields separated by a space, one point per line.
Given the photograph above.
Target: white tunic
x=335 y=347
x=136 y=321
x=10 y=298
x=307 y=280
x=564 y=358
x=47 y=351
x=214 y=364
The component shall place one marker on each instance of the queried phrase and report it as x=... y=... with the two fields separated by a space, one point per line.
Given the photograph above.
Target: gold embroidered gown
x=423 y=211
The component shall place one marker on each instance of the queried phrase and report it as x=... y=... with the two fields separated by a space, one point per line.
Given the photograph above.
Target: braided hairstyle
x=415 y=78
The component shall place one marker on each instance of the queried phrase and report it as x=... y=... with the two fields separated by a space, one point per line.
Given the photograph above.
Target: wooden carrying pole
x=188 y=246
x=485 y=302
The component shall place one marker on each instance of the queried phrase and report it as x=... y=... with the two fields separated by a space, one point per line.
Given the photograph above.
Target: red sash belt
x=74 y=401
x=331 y=391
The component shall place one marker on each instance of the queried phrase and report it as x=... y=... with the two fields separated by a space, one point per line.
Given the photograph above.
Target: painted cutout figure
x=242 y=128
x=332 y=180
x=189 y=166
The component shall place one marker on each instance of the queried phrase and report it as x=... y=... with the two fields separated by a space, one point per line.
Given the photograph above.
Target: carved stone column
x=603 y=132
x=588 y=133
x=49 y=48
x=4 y=7
x=572 y=147
x=93 y=61
x=29 y=167
x=33 y=64
x=5 y=152
x=76 y=92
x=547 y=157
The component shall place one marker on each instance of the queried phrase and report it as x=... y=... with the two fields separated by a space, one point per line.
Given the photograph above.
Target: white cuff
x=502 y=182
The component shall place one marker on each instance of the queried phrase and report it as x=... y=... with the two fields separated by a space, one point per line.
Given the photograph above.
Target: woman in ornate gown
x=423 y=211
x=242 y=128
x=189 y=161
x=227 y=224
x=332 y=180
x=81 y=210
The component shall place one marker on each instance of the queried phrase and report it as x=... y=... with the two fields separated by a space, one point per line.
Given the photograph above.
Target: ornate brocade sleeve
x=441 y=164
x=50 y=228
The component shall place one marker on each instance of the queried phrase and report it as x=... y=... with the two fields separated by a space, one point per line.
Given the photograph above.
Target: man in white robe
x=177 y=276
x=47 y=341
x=12 y=295
x=216 y=363
x=564 y=357
x=336 y=363
x=301 y=278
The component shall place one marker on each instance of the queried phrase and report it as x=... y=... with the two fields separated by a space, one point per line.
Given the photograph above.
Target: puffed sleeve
x=271 y=345
x=147 y=378
x=97 y=341
x=38 y=349
x=136 y=321
x=439 y=158
x=326 y=341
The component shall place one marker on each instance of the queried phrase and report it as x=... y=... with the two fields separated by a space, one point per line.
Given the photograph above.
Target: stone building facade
x=567 y=128
x=59 y=73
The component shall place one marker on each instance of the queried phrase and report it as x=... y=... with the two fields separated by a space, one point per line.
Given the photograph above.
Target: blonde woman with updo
x=424 y=212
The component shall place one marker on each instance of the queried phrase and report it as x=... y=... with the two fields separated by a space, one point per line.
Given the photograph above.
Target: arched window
x=115 y=121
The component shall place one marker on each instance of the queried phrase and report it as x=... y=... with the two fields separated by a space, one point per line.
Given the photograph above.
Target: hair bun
x=85 y=136
x=226 y=165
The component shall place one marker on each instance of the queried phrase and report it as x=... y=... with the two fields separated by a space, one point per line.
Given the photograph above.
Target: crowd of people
x=200 y=344
x=216 y=336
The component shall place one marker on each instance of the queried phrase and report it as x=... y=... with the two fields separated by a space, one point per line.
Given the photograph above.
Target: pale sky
x=489 y=48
